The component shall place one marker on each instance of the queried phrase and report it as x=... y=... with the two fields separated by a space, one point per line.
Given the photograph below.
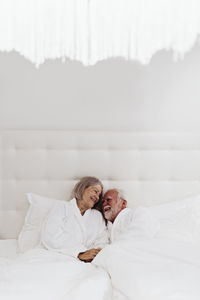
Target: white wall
x=111 y=95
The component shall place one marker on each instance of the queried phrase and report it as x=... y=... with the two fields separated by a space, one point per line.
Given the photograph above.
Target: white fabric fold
x=67 y=231
x=153 y=269
x=47 y=275
x=133 y=223
x=91 y=31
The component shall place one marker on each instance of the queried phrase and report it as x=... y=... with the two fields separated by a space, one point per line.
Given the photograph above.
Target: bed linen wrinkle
x=153 y=269
x=46 y=275
x=74 y=234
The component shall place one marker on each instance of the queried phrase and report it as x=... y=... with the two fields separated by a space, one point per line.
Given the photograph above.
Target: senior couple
x=76 y=228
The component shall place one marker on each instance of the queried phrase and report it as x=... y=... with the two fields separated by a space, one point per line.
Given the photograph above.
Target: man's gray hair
x=83 y=184
x=120 y=193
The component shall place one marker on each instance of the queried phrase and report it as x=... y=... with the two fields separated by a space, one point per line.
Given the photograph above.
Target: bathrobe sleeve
x=61 y=232
x=102 y=239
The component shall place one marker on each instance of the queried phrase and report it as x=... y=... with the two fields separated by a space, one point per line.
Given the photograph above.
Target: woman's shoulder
x=96 y=214
x=59 y=207
x=61 y=203
x=64 y=203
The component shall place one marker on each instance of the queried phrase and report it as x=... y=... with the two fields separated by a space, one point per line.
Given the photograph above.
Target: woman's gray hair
x=83 y=184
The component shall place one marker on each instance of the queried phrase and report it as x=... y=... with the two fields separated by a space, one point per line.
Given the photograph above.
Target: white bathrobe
x=68 y=232
x=132 y=223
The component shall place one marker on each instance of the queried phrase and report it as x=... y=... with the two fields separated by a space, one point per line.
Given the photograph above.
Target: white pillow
x=39 y=208
x=179 y=220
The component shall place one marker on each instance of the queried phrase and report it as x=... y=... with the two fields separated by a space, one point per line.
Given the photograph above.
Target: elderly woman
x=74 y=227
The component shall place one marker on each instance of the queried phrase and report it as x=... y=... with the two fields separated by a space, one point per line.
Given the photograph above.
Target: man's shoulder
x=126 y=213
x=124 y=218
x=128 y=210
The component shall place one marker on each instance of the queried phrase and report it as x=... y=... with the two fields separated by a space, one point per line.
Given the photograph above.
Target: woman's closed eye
x=97 y=192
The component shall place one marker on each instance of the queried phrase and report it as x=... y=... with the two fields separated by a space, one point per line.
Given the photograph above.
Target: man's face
x=112 y=205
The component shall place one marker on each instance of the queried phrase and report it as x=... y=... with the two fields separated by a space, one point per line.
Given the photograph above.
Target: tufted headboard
x=149 y=167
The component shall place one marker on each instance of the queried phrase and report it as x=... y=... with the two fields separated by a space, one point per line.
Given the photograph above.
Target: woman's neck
x=81 y=206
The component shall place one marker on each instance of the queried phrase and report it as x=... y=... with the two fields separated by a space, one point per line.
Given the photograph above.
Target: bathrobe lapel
x=80 y=220
x=120 y=224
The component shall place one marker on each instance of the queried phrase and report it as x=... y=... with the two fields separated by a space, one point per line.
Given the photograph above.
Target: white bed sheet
x=141 y=269
x=46 y=275
x=8 y=253
x=153 y=269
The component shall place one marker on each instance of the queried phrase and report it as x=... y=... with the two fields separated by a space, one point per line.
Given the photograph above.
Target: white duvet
x=44 y=275
x=153 y=269
x=157 y=258
x=140 y=269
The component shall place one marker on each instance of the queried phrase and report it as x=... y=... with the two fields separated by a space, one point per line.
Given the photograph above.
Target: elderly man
x=124 y=222
x=114 y=209
x=113 y=203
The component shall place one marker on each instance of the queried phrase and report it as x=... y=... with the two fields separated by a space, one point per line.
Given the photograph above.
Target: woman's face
x=91 y=195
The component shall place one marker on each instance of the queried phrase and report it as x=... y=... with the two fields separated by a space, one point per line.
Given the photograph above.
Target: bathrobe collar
x=80 y=218
x=115 y=226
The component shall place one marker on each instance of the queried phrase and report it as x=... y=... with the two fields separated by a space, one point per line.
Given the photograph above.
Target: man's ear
x=124 y=203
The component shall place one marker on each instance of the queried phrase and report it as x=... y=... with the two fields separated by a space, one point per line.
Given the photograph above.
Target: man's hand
x=88 y=255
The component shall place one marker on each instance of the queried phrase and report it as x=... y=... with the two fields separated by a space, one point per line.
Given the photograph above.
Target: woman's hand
x=89 y=255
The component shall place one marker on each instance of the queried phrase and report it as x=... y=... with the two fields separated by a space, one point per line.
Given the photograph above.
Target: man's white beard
x=108 y=214
x=111 y=213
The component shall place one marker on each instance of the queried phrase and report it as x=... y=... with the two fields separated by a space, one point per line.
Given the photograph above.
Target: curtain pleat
x=93 y=30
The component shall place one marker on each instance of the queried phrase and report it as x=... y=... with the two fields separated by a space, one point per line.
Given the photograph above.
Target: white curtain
x=93 y=30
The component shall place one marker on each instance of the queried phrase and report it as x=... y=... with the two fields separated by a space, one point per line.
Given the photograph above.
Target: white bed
x=151 y=168
x=41 y=274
